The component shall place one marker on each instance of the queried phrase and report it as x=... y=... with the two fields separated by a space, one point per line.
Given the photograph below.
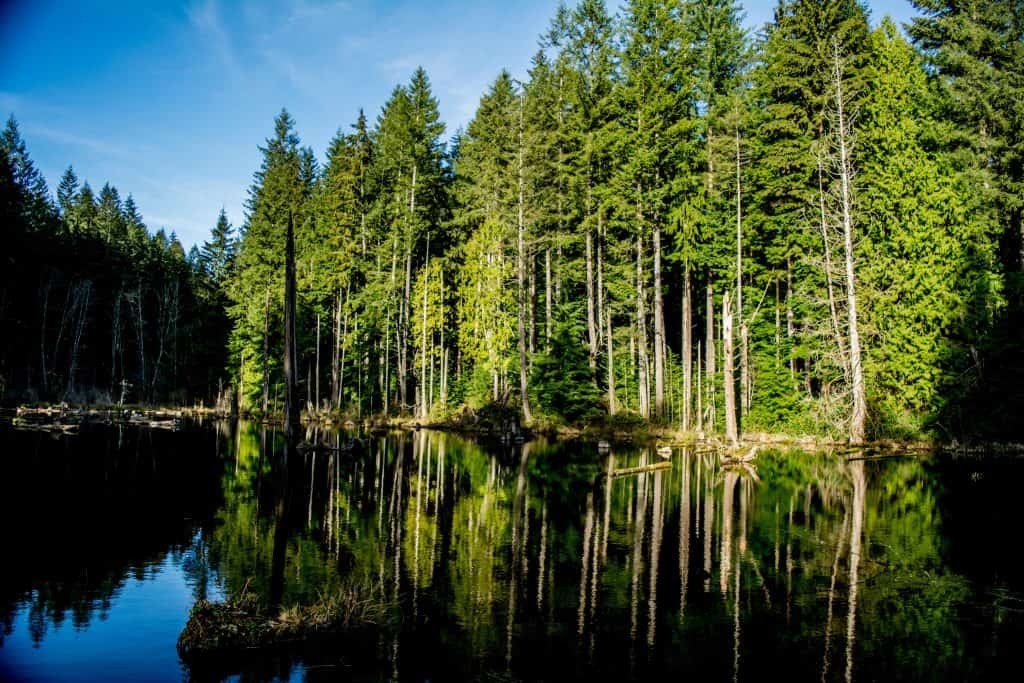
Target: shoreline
x=65 y=417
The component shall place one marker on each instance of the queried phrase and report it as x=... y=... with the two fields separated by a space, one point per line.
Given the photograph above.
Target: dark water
x=508 y=562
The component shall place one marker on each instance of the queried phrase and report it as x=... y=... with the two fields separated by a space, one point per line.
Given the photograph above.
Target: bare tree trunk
x=789 y=316
x=599 y=294
x=643 y=388
x=335 y=360
x=266 y=351
x=859 y=413
x=709 y=358
x=291 y=407
x=687 y=349
x=316 y=384
x=402 y=332
x=240 y=394
x=746 y=387
x=167 y=315
x=700 y=394
x=547 y=298
x=531 y=307
x=386 y=388
x=83 y=293
x=424 y=400
x=403 y=367
x=520 y=278
x=659 y=330
x=591 y=325
x=728 y=380
x=612 y=408
x=744 y=351
x=836 y=332
x=344 y=349
x=115 y=338
x=44 y=294
x=444 y=352
x=140 y=335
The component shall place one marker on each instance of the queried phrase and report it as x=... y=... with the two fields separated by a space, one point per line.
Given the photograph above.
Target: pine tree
x=216 y=256
x=277 y=192
x=66 y=191
x=37 y=209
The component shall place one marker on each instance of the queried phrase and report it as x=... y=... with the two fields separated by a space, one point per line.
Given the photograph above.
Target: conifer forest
x=816 y=228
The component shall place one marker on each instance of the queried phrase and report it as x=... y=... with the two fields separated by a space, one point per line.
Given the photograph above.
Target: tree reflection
x=540 y=560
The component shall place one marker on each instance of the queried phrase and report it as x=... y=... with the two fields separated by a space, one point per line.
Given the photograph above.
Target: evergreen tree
x=66 y=191
x=217 y=254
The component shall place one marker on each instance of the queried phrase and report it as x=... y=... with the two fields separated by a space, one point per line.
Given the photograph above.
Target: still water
x=507 y=562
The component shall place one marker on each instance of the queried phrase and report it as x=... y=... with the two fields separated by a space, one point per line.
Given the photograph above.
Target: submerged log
x=630 y=471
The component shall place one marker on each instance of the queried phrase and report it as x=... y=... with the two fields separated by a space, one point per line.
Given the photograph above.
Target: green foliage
x=562 y=377
x=645 y=150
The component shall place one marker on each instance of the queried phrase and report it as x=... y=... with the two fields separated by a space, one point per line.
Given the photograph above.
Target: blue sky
x=169 y=101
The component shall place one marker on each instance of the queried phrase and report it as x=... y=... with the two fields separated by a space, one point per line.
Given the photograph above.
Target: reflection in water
x=856 y=529
x=684 y=532
x=541 y=561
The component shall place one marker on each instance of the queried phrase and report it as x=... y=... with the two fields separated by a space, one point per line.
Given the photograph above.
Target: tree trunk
x=335 y=360
x=659 y=330
x=859 y=413
x=547 y=298
x=612 y=408
x=744 y=368
x=444 y=351
x=727 y=371
x=521 y=277
x=266 y=351
x=789 y=316
x=643 y=384
x=316 y=383
x=83 y=293
x=832 y=308
x=687 y=349
x=531 y=307
x=700 y=394
x=291 y=406
x=745 y=383
x=599 y=293
x=591 y=325
x=424 y=399
x=44 y=293
x=115 y=338
x=709 y=358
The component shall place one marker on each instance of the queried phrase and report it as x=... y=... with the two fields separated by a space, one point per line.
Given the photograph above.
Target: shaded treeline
x=96 y=308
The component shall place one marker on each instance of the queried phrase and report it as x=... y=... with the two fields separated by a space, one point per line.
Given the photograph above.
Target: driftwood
x=630 y=471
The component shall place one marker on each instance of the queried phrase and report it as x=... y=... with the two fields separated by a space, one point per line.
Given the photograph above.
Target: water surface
x=532 y=562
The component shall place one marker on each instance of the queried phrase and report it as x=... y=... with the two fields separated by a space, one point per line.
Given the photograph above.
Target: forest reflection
x=544 y=548
x=548 y=559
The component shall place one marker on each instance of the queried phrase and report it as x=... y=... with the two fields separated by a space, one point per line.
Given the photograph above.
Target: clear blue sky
x=168 y=102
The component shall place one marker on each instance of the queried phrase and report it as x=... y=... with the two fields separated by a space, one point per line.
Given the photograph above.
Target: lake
x=542 y=561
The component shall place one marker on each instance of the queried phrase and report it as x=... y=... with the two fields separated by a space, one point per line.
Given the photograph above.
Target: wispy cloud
x=93 y=144
x=303 y=10
x=205 y=19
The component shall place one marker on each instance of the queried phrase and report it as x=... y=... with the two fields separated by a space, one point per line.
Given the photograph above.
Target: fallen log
x=630 y=471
